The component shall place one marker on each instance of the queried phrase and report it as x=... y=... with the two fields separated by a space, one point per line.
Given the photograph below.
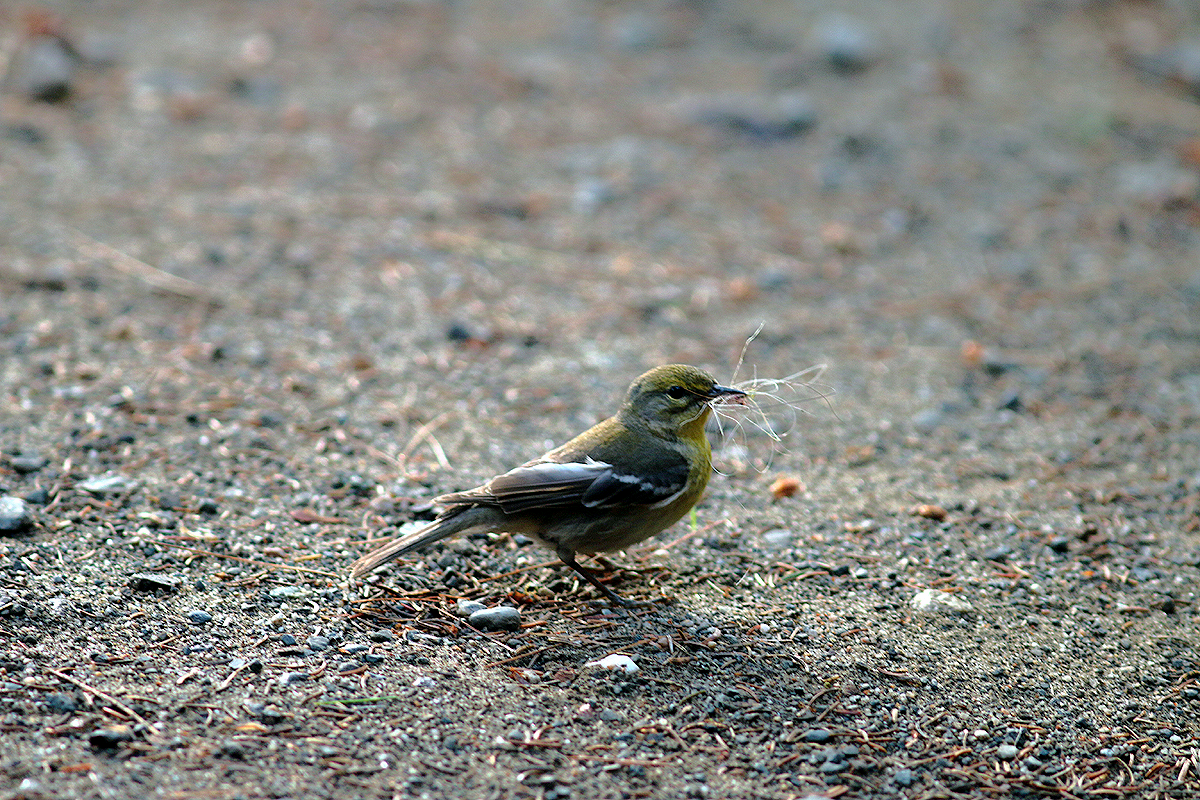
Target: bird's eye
x=677 y=393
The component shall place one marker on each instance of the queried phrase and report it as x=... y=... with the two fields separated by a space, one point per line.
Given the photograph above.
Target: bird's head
x=676 y=398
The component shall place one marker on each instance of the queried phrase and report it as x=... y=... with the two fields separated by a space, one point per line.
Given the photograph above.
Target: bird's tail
x=442 y=527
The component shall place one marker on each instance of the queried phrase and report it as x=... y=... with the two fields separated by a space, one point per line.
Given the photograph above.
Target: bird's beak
x=726 y=395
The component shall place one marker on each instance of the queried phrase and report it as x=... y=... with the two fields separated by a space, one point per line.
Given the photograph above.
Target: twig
x=421 y=434
x=254 y=562
x=159 y=279
x=124 y=709
x=683 y=538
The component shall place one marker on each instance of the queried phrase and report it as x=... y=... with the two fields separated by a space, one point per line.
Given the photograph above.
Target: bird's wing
x=591 y=483
x=653 y=487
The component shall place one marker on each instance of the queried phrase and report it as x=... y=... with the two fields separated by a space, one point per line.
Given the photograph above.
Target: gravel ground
x=273 y=275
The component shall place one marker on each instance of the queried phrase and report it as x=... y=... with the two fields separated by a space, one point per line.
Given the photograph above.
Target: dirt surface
x=274 y=275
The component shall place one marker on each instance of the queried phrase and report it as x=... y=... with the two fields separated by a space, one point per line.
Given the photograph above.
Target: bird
x=618 y=483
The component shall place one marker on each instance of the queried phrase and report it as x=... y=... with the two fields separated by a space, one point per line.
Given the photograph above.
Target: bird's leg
x=567 y=556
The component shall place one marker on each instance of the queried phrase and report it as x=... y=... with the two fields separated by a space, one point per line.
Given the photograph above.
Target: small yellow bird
x=617 y=483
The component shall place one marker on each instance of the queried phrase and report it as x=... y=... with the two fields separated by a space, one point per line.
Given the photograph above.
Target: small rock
x=382 y=635
x=930 y=511
x=904 y=777
x=933 y=600
x=108 y=484
x=289 y=592
x=45 y=71
x=832 y=767
x=465 y=608
x=234 y=750
x=615 y=662
x=779 y=538
x=61 y=703
x=845 y=44
x=590 y=194
x=1157 y=183
x=148 y=582
x=288 y=678
x=1059 y=544
x=25 y=463
x=317 y=643
x=762 y=121
x=501 y=618
x=1006 y=752
x=818 y=735
x=786 y=486
x=424 y=682
x=287 y=640
x=110 y=738
x=199 y=617
x=930 y=419
x=999 y=554
x=14 y=515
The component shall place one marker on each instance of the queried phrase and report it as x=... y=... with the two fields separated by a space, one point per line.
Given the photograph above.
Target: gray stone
x=14 y=515
x=465 y=608
x=149 y=582
x=501 y=618
x=108 y=484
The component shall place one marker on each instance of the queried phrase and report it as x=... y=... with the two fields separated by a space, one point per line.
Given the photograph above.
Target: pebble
x=110 y=738
x=61 y=703
x=845 y=44
x=287 y=640
x=25 y=463
x=465 y=608
x=289 y=592
x=199 y=617
x=14 y=515
x=1157 y=183
x=999 y=554
x=288 y=678
x=108 y=484
x=616 y=662
x=928 y=420
x=317 y=643
x=778 y=538
x=45 y=71
x=762 y=120
x=382 y=635
x=501 y=618
x=148 y=582
x=935 y=601
x=818 y=735
x=1006 y=752
x=904 y=777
